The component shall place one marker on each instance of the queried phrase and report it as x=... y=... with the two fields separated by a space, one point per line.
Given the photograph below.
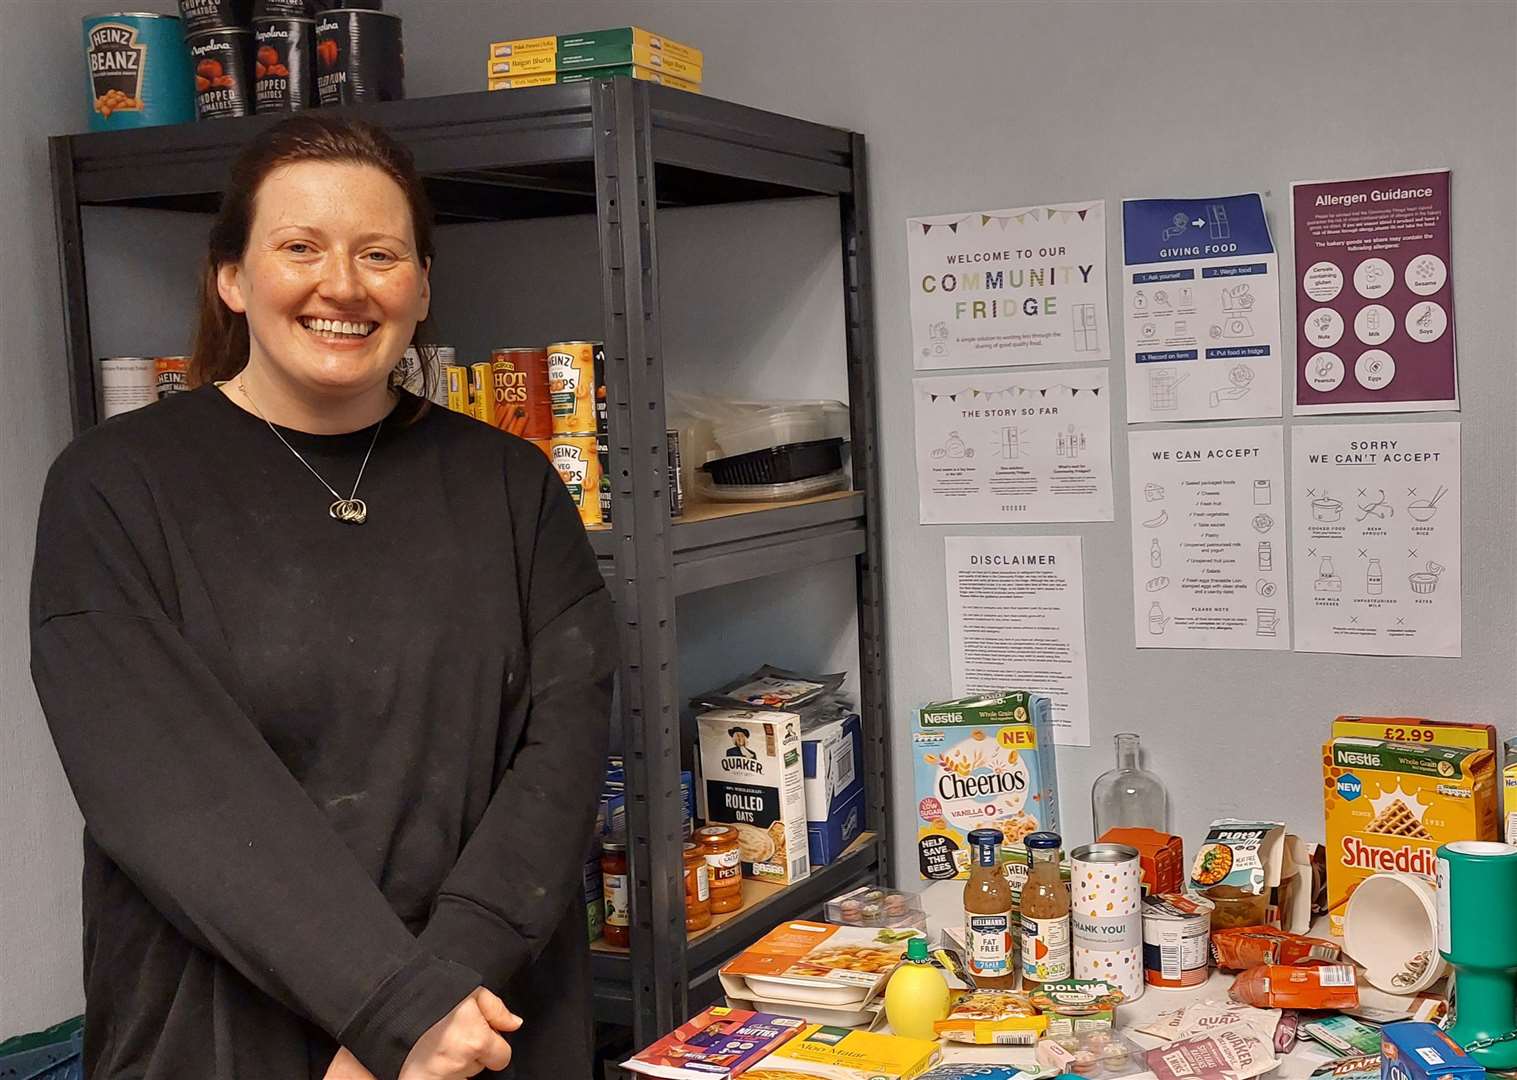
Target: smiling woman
x=336 y=810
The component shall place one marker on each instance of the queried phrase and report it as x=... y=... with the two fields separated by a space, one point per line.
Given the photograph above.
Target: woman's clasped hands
x=462 y=1044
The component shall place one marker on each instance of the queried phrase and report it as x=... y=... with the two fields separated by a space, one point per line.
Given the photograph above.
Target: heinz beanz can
x=576 y=383
x=1105 y=916
x=578 y=462
x=139 y=73
x=521 y=392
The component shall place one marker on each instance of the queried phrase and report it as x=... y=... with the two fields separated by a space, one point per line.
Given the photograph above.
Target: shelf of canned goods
x=619 y=150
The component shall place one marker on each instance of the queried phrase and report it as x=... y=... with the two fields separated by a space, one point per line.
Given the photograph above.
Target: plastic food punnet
x=762 y=426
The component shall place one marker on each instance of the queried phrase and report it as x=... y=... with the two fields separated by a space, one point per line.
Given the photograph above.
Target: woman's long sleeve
x=180 y=789
x=519 y=871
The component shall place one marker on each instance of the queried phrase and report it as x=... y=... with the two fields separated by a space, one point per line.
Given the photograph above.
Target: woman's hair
x=221 y=339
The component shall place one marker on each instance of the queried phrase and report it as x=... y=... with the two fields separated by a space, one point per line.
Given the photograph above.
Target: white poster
x=1008 y=447
x=1001 y=287
x=1208 y=538
x=1016 y=621
x=1201 y=310
x=1376 y=539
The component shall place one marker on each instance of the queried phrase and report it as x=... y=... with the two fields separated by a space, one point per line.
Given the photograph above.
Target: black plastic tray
x=779 y=465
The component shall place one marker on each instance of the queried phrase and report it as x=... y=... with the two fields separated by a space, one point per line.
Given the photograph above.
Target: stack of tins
x=219 y=41
x=359 y=53
x=284 y=72
x=577 y=396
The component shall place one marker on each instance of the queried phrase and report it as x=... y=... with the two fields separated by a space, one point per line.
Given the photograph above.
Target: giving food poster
x=1374 y=295
x=1001 y=287
x=1201 y=310
x=1375 y=539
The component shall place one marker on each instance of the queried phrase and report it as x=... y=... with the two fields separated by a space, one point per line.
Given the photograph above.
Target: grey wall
x=966 y=105
x=978 y=105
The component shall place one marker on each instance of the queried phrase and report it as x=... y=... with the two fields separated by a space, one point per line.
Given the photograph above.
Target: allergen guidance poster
x=1008 y=447
x=1008 y=287
x=1016 y=620
x=1374 y=295
x=1201 y=309
x=1376 y=539
x=1208 y=538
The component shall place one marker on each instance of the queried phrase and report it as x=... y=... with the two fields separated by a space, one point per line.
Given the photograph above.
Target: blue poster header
x=1169 y=230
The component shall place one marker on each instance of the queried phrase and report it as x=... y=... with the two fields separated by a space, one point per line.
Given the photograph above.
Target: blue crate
x=54 y=1054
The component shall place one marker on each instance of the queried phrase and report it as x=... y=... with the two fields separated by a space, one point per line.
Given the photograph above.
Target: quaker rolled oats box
x=752 y=778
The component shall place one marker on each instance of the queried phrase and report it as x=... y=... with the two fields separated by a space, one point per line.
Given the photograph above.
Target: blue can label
x=117 y=60
x=139 y=72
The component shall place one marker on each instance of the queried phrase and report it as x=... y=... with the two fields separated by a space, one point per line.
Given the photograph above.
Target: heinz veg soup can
x=139 y=72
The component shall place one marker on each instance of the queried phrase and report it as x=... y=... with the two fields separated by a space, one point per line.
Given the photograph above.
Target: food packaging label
x=981 y=762
x=844 y=1054
x=1343 y=1035
x=804 y=952
x=1233 y=1050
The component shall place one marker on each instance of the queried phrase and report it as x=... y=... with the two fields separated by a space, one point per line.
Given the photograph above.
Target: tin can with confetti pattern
x=1106 y=916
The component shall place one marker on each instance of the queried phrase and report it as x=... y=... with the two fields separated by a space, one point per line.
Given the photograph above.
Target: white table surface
x=943 y=902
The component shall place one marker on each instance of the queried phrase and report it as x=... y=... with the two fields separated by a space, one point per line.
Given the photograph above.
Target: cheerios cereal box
x=1389 y=806
x=981 y=762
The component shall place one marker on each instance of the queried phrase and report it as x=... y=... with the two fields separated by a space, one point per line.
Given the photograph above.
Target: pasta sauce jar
x=697 y=889
x=613 y=867
x=724 y=862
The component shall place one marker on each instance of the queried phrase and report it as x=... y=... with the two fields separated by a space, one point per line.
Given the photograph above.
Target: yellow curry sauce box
x=1511 y=791
x=840 y=1053
x=1390 y=805
x=985 y=761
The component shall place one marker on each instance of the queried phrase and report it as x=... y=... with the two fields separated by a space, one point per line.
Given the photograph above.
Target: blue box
x=832 y=756
x=1412 y=1050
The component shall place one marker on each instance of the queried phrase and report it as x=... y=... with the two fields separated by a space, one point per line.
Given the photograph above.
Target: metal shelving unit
x=620 y=150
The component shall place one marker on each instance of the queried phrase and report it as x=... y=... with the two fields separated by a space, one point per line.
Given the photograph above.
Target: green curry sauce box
x=985 y=761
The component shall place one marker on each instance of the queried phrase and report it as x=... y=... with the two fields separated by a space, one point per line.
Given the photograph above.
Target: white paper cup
x=1391 y=928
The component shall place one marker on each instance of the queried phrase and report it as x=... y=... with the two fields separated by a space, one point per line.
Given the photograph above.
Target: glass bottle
x=1129 y=796
x=1045 y=911
x=988 y=922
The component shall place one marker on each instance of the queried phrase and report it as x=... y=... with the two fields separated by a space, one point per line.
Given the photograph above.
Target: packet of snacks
x=1231 y=1050
x=1244 y=947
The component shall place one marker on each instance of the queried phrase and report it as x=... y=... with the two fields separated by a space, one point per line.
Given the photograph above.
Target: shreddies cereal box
x=981 y=762
x=1390 y=805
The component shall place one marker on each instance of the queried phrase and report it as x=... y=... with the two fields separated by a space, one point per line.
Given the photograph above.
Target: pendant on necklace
x=353 y=511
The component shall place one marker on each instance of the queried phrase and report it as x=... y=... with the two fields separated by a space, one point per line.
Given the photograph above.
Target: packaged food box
x=981 y=761
x=752 y=779
x=992 y=1018
x=1416 y=730
x=838 y=1053
x=719 y=1042
x=626 y=36
x=1418 y=1051
x=575 y=58
x=521 y=82
x=1161 y=857
x=1510 y=785
x=1389 y=806
x=832 y=759
x=1077 y=1007
x=821 y=963
x=636 y=71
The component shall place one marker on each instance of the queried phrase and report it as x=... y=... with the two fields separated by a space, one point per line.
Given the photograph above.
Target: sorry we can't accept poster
x=995 y=288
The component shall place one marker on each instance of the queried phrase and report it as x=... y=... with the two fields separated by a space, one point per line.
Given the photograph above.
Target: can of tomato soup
x=223 y=64
x=577 y=383
x=578 y=463
x=521 y=392
x=359 y=56
x=199 y=15
x=1176 y=940
x=139 y=73
x=284 y=70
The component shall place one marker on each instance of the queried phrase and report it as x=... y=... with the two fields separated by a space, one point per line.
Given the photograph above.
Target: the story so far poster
x=1374 y=295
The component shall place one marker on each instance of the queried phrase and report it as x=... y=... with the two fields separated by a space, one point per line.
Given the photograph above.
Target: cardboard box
x=1510 y=788
x=526 y=64
x=1416 y=730
x=1390 y=805
x=751 y=778
x=832 y=758
x=837 y=1053
x=636 y=71
x=620 y=35
x=1417 y=1051
x=574 y=59
x=521 y=82
x=1161 y=858
x=981 y=761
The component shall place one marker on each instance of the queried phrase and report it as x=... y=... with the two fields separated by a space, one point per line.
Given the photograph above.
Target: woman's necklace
x=352 y=509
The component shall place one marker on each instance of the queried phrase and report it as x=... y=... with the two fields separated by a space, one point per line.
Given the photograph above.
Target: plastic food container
x=779 y=465
x=748 y=427
x=870 y=905
x=795 y=489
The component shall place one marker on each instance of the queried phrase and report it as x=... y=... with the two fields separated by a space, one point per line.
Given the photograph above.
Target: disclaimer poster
x=1007 y=287
x=1010 y=447
x=1376 y=539
x=1374 y=295
x=1201 y=310
x=1016 y=621
x=1208 y=538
